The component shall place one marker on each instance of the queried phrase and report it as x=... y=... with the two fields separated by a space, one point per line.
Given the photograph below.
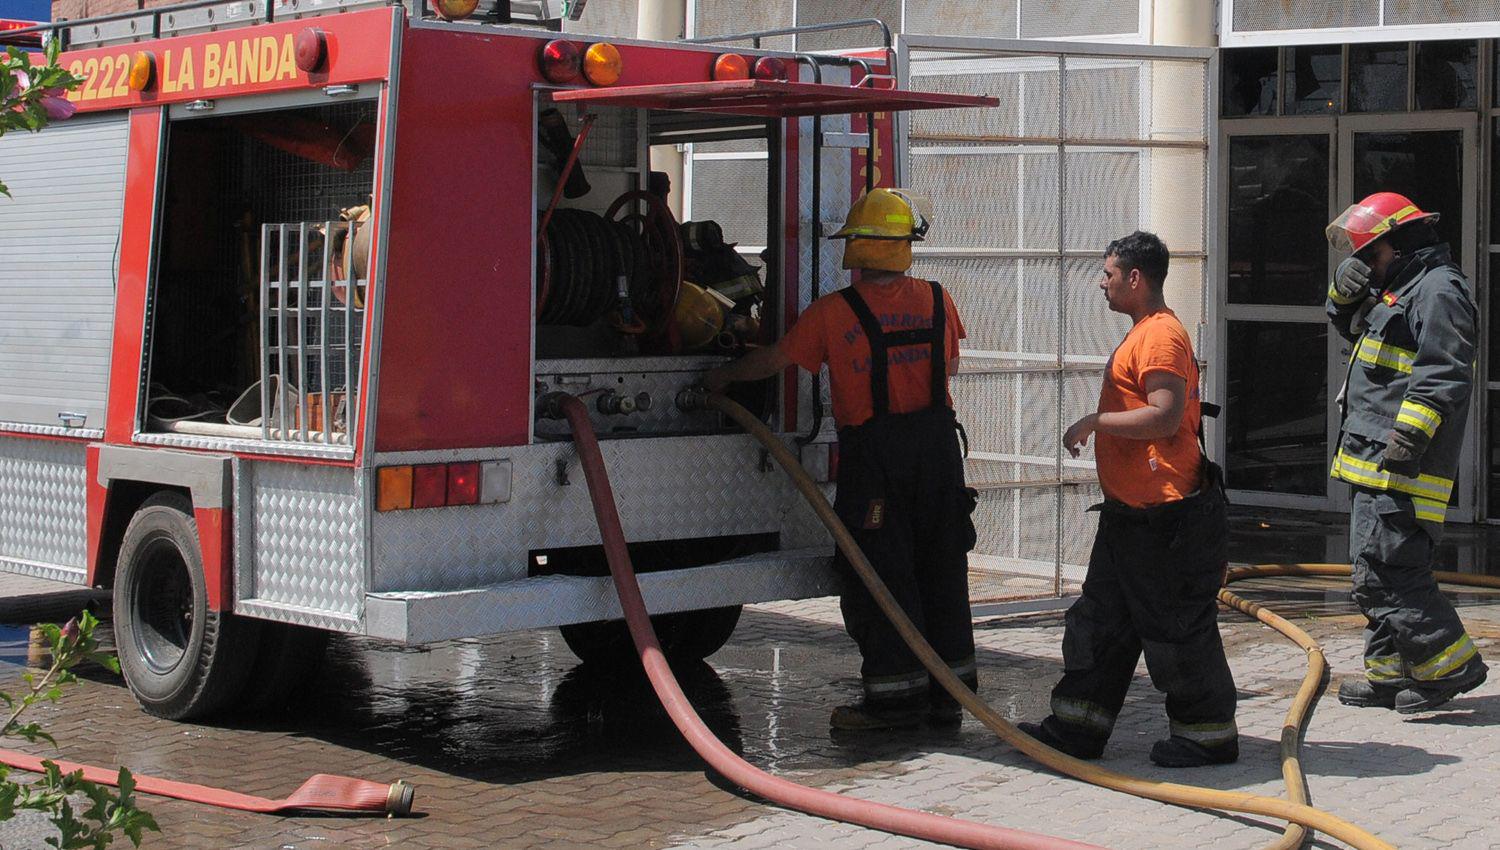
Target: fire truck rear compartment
x=632 y=305
x=252 y=310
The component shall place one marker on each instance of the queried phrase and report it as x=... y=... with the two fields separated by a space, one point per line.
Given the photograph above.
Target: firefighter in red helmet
x=1403 y=302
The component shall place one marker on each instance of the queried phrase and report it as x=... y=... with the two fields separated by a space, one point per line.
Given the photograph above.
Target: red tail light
x=429 y=486
x=561 y=62
x=731 y=66
x=769 y=68
x=463 y=483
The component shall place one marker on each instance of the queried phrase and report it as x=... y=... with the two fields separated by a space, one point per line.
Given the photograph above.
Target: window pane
x=1276 y=424
x=1313 y=76
x=1446 y=74
x=1494 y=332
x=1426 y=166
x=1494 y=466
x=1278 y=207
x=1249 y=81
x=1377 y=77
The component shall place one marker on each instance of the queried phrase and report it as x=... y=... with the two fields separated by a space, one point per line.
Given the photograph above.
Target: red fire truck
x=279 y=305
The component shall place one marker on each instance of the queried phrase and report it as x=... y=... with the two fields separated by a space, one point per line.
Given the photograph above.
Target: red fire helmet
x=1368 y=220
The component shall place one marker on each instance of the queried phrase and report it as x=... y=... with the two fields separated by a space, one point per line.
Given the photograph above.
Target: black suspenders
x=881 y=342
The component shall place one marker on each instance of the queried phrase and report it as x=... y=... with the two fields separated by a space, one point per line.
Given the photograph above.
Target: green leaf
x=54 y=48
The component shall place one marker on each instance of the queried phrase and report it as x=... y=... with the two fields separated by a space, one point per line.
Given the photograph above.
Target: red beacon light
x=769 y=68
x=731 y=66
x=310 y=48
x=561 y=62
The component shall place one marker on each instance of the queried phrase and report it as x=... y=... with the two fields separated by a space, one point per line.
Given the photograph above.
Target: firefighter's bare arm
x=759 y=363
x=1166 y=396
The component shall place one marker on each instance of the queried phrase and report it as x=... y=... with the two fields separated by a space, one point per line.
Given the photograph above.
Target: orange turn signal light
x=142 y=71
x=602 y=64
x=454 y=10
x=393 y=488
x=731 y=66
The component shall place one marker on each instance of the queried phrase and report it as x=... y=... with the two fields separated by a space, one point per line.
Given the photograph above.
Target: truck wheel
x=180 y=659
x=287 y=657
x=686 y=635
x=695 y=635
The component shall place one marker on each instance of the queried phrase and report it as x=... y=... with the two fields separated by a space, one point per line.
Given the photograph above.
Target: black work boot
x=1177 y=751
x=1362 y=693
x=1050 y=733
x=1426 y=697
x=945 y=715
x=865 y=716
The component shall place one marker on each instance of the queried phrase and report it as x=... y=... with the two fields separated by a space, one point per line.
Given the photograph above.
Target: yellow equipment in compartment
x=700 y=315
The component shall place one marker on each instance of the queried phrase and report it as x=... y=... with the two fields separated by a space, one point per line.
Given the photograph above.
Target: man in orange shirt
x=890 y=342
x=1161 y=550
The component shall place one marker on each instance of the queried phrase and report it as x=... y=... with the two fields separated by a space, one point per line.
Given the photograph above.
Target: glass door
x=1430 y=158
x=1277 y=191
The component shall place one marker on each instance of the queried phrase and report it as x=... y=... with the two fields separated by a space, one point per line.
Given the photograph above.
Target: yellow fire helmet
x=881 y=226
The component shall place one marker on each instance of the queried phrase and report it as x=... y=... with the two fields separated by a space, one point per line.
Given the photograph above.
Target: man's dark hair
x=1143 y=251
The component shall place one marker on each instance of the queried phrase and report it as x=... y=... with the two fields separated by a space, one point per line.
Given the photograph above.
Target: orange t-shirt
x=1142 y=473
x=828 y=332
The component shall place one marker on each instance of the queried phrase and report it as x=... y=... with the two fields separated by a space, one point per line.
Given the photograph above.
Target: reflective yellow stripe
x=897 y=218
x=1420 y=416
x=1393 y=219
x=1083 y=713
x=1369 y=474
x=1455 y=656
x=1378 y=353
x=1207 y=734
x=1430 y=511
x=1333 y=295
x=1382 y=668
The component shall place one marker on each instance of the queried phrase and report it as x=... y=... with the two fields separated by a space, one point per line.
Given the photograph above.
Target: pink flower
x=54 y=101
x=57 y=106
x=70 y=629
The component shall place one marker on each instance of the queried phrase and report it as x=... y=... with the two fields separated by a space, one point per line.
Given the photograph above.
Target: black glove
x=1404 y=446
x=1351 y=280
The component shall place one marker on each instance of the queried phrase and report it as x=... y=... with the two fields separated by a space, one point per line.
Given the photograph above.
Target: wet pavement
x=512 y=743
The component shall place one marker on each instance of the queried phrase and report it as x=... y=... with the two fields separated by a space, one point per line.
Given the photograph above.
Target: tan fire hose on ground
x=1295 y=810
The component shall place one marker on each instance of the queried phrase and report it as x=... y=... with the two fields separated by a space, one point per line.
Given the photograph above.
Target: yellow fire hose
x=1296 y=715
x=1299 y=815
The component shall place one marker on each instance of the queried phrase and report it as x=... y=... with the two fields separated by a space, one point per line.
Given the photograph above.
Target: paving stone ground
x=512 y=744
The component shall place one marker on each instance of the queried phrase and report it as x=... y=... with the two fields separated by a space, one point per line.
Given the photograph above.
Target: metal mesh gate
x=1089 y=143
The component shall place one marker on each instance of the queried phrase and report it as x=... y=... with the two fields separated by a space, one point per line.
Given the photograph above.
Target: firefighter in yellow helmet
x=890 y=342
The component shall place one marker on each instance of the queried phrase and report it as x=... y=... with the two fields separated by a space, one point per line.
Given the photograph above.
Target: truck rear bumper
x=423 y=617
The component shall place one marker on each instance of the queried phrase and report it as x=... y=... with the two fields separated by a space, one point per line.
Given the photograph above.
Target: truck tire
x=286 y=659
x=180 y=659
x=684 y=635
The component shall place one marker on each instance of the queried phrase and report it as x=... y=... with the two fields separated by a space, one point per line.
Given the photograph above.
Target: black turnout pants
x=901 y=493
x=1152 y=581
x=1413 y=636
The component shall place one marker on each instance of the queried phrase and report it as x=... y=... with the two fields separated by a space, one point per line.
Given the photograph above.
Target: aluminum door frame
x=1302 y=125
x=1466 y=123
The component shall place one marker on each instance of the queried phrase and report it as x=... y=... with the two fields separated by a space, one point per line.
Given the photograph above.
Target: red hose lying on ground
x=813 y=801
x=323 y=791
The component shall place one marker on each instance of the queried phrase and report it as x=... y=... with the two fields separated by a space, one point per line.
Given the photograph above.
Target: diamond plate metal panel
x=307 y=530
x=43 y=512
x=667 y=489
x=420 y=617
